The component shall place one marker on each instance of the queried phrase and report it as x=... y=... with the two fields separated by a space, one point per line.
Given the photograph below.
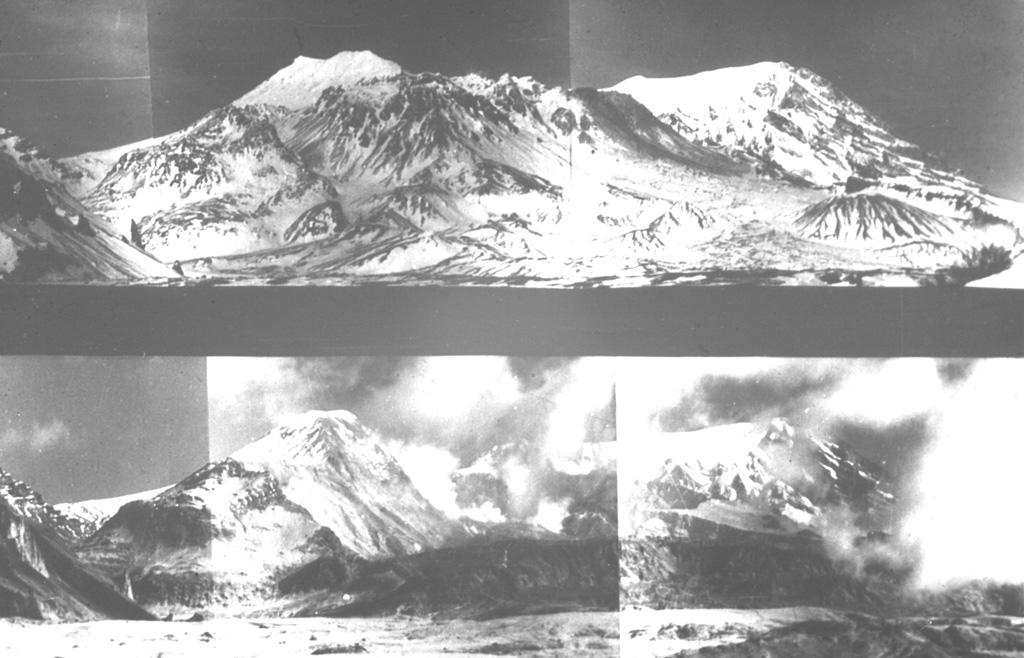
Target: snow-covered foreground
x=652 y=633
x=577 y=634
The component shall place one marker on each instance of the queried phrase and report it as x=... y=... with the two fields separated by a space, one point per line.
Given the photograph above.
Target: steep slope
x=871 y=218
x=47 y=235
x=793 y=124
x=754 y=478
x=222 y=537
x=217 y=539
x=750 y=515
x=336 y=468
x=89 y=515
x=300 y=84
x=30 y=504
x=225 y=184
x=787 y=120
x=41 y=578
x=390 y=172
x=351 y=170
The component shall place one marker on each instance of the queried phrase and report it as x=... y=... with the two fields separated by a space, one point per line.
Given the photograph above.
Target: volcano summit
x=352 y=170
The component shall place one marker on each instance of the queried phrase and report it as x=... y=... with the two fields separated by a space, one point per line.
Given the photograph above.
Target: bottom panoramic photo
x=295 y=507
x=483 y=505
x=821 y=508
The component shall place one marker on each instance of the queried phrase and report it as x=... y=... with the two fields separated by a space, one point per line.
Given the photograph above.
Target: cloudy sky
x=77 y=428
x=433 y=414
x=74 y=76
x=465 y=404
x=944 y=74
x=947 y=431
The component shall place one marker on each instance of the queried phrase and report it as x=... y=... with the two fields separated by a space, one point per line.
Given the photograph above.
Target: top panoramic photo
x=523 y=143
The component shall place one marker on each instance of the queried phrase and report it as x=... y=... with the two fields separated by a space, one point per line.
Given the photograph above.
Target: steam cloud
x=945 y=431
x=437 y=414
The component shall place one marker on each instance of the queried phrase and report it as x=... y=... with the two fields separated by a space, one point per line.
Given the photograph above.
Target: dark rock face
x=42 y=579
x=870 y=217
x=509 y=577
x=31 y=505
x=730 y=568
x=45 y=234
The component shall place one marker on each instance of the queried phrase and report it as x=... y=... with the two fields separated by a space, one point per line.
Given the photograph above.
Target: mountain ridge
x=351 y=169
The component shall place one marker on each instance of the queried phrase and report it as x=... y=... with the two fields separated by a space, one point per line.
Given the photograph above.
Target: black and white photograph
x=529 y=143
x=820 y=507
x=646 y=328
x=257 y=506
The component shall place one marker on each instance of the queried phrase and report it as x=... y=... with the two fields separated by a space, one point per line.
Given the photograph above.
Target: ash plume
x=534 y=417
x=942 y=431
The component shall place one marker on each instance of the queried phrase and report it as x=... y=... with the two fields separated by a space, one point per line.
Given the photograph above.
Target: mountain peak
x=714 y=87
x=299 y=85
x=311 y=437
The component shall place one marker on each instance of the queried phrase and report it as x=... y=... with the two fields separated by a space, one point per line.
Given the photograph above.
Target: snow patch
x=300 y=84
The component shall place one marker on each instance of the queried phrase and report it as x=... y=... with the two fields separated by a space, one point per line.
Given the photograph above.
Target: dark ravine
x=41 y=578
x=48 y=235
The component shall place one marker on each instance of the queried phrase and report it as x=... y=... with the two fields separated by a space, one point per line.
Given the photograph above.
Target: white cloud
x=886 y=392
x=966 y=520
x=430 y=469
x=40 y=437
x=587 y=389
x=448 y=389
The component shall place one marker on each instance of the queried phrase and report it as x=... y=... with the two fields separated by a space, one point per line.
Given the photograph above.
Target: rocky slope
x=751 y=515
x=350 y=170
x=223 y=537
x=30 y=504
x=47 y=234
x=41 y=578
x=501 y=578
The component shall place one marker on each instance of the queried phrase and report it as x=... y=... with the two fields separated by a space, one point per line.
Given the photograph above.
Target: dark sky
x=206 y=54
x=203 y=54
x=947 y=75
x=77 y=428
x=74 y=76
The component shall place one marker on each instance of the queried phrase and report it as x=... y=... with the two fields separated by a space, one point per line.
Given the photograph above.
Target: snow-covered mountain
x=389 y=172
x=89 y=515
x=299 y=85
x=790 y=122
x=30 y=504
x=351 y=169
x=319 y=486
x=47 y=234
x=752 y=477
x=786 y=120
x=758 y=515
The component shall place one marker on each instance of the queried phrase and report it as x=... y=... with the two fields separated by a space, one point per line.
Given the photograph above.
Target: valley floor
x=576 y=634
x=805 y=632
